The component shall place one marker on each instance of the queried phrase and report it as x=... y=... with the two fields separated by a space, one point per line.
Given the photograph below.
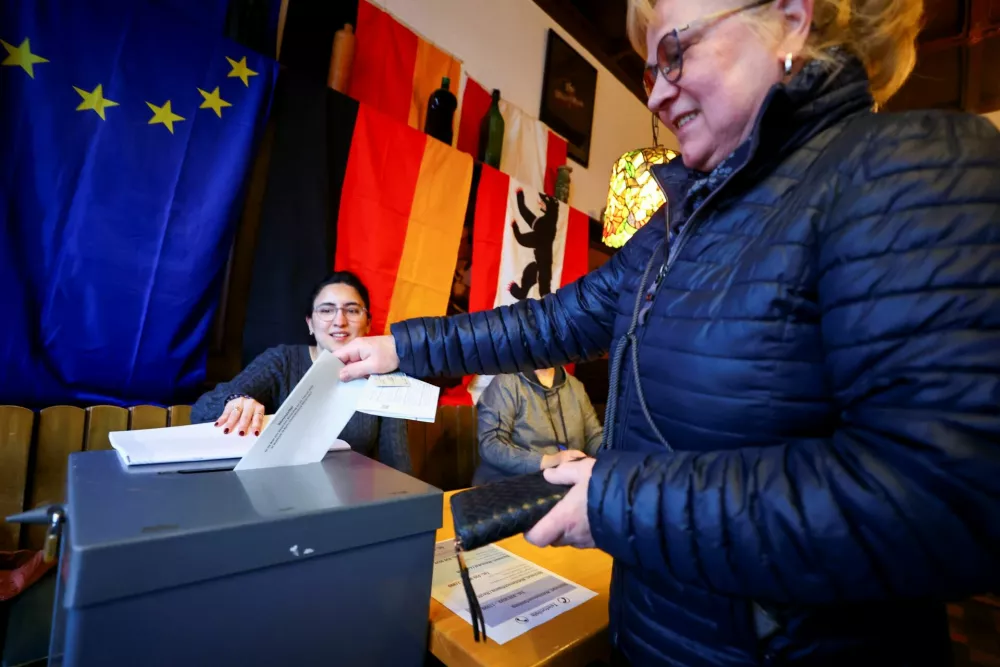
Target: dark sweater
x=270 y=378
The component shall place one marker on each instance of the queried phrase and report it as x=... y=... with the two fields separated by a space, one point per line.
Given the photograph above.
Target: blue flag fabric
x=126 y=132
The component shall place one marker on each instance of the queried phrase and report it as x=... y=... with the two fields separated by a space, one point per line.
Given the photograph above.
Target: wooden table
x=575 y=637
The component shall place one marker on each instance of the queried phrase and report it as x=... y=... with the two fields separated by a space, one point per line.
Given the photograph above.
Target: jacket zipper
x=673 y=251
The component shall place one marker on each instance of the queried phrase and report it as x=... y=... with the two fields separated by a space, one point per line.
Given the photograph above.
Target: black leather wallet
x=493 y=512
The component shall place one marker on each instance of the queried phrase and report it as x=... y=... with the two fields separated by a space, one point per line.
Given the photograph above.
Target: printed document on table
x=313 y=415
x=516 y=595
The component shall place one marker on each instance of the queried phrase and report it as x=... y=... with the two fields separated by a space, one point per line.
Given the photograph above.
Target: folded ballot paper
x=305 y=427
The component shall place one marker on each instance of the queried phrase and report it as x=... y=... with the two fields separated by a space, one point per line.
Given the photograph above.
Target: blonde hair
x=881 y=33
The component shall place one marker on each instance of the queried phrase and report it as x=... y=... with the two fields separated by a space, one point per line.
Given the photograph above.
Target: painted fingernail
x=216 y=423
x=225 y=430
x=256 y=432
x=243 y=432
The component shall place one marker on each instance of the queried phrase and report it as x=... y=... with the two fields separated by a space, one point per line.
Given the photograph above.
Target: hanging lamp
x=633 y=195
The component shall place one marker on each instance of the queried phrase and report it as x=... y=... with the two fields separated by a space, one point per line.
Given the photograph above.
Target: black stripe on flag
x=296 y=239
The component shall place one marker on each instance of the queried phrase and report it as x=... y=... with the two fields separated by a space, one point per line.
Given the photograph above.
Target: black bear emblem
x=541 y=239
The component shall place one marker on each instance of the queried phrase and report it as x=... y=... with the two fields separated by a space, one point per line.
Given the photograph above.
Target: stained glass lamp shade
x=634 y=196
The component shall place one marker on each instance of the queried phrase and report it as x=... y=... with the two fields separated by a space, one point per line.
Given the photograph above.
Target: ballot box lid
x=132 y=532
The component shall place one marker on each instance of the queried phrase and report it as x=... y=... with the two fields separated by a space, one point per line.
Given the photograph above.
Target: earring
x=788 y=63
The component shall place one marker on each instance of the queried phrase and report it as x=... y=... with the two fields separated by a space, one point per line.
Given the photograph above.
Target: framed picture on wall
x=569 y=88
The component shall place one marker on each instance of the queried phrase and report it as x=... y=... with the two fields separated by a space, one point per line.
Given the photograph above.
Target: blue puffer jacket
x=822 y=358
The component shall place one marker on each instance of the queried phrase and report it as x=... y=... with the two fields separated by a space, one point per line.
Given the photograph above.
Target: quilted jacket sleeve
x=573 y=324
x=904 y=498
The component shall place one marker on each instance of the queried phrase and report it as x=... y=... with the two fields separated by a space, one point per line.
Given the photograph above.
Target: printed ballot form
x=516 y=595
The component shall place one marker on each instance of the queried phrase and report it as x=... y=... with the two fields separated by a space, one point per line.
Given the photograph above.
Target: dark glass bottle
x=491 y=133
x=441 y=113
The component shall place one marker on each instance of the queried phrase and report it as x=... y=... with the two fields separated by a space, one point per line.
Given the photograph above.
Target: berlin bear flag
x=525 y=244
x=534 y=245
x=127 y=131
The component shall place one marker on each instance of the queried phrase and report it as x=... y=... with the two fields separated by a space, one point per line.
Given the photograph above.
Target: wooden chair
x=59 y=433
x=101 y=421
x=446 y=452
x=16 y=426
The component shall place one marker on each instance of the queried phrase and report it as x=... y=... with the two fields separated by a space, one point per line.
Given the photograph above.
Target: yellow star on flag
x=164 y=115
x=213 y=101
x=240 y=70
x=94 y=101
x=21 y=56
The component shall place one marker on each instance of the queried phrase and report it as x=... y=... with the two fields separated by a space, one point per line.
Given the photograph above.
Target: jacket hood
x=558 y=381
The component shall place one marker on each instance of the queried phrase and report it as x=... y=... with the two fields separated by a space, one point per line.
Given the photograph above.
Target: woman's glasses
x=670 y=51
x=327 y=314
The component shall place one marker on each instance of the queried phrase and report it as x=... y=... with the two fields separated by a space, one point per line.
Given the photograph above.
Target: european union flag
x=126 y=132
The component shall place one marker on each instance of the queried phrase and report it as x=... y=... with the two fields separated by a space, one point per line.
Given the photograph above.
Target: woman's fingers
x=257 y=423
x=232 y=415
x=246 y=415
x=226 y=411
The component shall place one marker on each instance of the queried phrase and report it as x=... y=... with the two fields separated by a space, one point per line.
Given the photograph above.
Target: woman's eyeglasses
x=327 y=314
x=670 y=52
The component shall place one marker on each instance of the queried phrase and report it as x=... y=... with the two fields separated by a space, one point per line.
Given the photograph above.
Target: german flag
x=395 y=70
x=401 y=214
x=351 y=188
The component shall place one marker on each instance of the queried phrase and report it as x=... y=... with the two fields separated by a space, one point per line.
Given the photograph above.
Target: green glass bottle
x=491 y=133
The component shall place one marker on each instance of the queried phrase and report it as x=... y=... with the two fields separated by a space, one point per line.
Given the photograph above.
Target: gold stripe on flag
x=433 y=233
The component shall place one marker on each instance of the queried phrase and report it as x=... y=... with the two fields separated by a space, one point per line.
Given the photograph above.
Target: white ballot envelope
x=315 y=413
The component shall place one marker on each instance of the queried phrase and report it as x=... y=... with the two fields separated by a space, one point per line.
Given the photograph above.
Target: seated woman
x=533 y=421
x=337 y=314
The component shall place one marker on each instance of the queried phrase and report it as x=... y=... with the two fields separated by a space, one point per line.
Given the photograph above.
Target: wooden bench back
x=35 y=449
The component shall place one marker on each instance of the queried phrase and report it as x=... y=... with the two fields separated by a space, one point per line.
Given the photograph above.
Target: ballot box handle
x=54 y=516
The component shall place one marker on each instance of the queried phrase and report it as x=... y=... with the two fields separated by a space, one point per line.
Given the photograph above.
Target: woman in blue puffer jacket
x=802 y=438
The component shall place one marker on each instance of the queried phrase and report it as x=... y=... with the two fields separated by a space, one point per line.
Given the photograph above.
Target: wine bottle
x=441 y=113
x=491 y=133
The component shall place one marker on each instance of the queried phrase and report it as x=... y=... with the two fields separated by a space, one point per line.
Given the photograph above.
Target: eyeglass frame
x=666 y=72
x=336 y=309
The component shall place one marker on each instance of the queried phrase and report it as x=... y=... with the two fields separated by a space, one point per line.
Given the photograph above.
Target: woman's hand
x=567 y=523
x=242 y=415
x=565 y=456
x=368 y=356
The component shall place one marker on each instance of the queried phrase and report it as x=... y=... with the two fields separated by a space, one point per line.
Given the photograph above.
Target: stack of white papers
x=183 y=444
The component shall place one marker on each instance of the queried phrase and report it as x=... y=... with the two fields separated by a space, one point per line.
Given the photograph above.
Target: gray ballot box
x=321 y=564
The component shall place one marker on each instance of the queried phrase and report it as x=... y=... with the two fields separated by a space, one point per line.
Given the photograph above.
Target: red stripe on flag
x=384 y=59
x=555 y=157
x=577 y=255
x=576 y=259
x=475 y=103
x=375 y=203
x=487 y=237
